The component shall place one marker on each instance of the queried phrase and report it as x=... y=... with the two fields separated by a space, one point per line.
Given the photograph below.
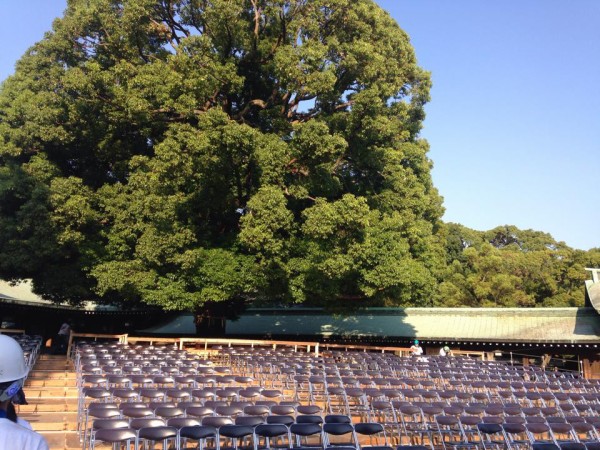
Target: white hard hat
x=12 y=361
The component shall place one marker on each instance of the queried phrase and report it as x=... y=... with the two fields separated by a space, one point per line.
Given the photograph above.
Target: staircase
x=51 y=392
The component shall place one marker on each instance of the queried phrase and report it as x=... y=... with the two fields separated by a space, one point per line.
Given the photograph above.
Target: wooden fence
x=209 y=343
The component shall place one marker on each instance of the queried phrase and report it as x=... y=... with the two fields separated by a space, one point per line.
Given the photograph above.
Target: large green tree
x=175 y=152
x=509 y=267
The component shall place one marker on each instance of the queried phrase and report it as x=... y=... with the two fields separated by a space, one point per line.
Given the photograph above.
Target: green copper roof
x=568 y=325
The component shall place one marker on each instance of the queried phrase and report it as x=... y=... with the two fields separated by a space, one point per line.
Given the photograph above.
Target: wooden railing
x=489 y=356
x=120 y=338
x=305 y=346
x=12 y=331
x=298 y=345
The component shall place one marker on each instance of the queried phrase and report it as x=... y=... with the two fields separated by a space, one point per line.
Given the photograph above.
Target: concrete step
x=46 y=374
x=63 y=404
x=50 y=382
x=62 y=440
x=51 y=421
x=51 y=391
x=53 y=364
x=41 y=392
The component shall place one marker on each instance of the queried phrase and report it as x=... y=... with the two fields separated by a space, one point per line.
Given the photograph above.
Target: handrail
x=545 y=361
x=12 y=331
x=477 y=353
x=122 y=338
x=251 y=343
x=308 y=346
x=400 y=351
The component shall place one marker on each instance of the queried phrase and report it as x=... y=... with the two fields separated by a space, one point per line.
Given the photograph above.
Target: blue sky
x=514 y=119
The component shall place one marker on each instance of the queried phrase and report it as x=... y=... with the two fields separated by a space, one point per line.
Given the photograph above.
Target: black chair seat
x=271 y=430
x=197 y=432
x=285 y=420
x=114 y=435
x=157 y=433
x=305 y=429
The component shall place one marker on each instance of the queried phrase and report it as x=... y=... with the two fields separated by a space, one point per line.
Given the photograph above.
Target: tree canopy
x=181 y=153
x=508 y=267
x=176 y=152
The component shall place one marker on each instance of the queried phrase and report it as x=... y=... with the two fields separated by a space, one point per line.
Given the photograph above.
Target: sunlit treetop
x=176 y=152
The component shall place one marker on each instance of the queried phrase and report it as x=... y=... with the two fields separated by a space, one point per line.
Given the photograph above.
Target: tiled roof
x=19 y=292
x=565 y=325
x=568 y=325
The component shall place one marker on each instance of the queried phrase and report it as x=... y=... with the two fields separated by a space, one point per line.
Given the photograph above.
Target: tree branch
x=256 y=20
x=344 y=105
x=287 y=192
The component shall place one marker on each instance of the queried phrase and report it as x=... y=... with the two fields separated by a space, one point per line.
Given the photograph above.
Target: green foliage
x=511 y=267
x=183 y=152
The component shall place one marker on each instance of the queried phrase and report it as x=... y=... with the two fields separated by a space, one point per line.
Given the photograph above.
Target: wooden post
x=69 y=345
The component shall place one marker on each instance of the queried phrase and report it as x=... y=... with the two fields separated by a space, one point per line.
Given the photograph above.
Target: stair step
x=40 y=405
x=51 y=420
x=50 y=357
x=51 y=365
x=52 y=382
x=39 y=374
x=50 y=392
x=52 y=396
x=62 y=440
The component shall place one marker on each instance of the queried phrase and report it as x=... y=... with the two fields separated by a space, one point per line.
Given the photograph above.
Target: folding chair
x=284 y=420
x=376 y=434
x=450 y=434
x=236 y=437
x=158 y=433
x=100 y=411
x=251 y=421
x=307 y=435
x=339 y=436
x=110 y=431
x=516 y=436
x=272 y=435
x=540 y=435
x=257 y=410
x=200 y=434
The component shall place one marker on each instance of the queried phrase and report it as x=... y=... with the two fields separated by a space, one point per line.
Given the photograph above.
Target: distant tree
x=182 y=152
x=458 y=239
x=508 y=267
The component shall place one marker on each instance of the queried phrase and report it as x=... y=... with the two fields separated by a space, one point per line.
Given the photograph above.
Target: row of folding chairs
x=481 y=372
x=470 y=432
x=476 y=426
x=587 y=402
x=151 y=378
x=351 y=401
x=313 y=388
x=245 y=432
x=329 y=385
x=425 y=425
x=31 y=345
x=327 y=389
x=401 y=419
x=451 y=368
x=159 y=406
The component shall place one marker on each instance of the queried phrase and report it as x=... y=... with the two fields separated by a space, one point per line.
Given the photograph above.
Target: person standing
x=13 y=371
x=63 y=337
x=445 y=351
x=416 y=349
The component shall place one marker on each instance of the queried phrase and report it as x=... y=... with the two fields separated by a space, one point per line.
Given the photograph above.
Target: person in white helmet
x=445 y=351
x=13 y=371
x=416 y=349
